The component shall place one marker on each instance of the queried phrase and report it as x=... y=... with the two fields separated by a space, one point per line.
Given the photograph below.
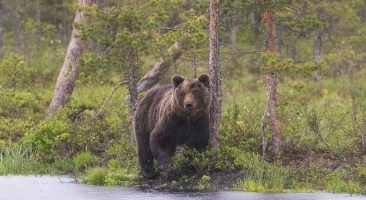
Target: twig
x=175 y=30
x=228 y=76
x=157 y=44
x=95 y=117
x=263 y=126
x=107 y=50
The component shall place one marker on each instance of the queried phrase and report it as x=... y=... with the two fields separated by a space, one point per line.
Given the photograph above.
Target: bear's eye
x=194 y=92
x=182 y=93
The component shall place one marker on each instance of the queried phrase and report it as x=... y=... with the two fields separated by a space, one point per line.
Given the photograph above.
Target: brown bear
x=171 y=116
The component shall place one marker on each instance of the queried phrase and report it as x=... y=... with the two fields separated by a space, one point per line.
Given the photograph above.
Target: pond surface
x=64 y=188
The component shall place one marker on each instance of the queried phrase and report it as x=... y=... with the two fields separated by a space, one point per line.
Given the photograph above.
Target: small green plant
x=96 y=176
x=204 y=183
x=85 y=160
x=259 y=175
x=14 y=72
x=19 y=159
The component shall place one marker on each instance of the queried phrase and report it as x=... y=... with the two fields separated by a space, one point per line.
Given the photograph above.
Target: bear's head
x=192 y=97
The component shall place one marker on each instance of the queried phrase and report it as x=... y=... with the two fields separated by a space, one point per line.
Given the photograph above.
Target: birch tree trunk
x=38 y=22
x=233 y=34
x=1 y=28
x=101 y=4
x=292 y=52
x=268 y=19
x=317 y=51
x=215 y=84
x=278 y=36
x=70 y=69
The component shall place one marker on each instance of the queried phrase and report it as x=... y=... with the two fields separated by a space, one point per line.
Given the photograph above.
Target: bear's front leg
x=160 y=149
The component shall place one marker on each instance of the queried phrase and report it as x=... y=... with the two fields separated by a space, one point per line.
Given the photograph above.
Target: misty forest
x=288 y=111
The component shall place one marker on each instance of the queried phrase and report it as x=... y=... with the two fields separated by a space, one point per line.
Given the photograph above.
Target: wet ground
x=64 y=188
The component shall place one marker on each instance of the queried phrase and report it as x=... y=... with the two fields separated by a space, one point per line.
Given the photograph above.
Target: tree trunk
x=132 y=56
x=70 y=69
x=39 y=25
x=101 y=4
x=194 y=65
x=292 y=53
x=278 y=36
x=233 y=34
x=317 y=50
x=215 y=84
x=278 y=40
x=1 y=28
x=268 y=19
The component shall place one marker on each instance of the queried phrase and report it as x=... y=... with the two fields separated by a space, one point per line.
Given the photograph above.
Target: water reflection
x=64 y=188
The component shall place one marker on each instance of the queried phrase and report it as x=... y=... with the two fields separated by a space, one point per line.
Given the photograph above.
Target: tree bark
x=317 y=50
x=132 y=88
x=70 y=69
x=1 y=28
x=278 y=40
x=268 y=19
x=292 y=53
x=278 y=35
x=101 y=4
x=39 y=25
x=215 y=84
x=233 y=34
x=194 y=64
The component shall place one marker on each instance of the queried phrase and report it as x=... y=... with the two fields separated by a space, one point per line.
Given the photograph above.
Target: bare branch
x=95 y=117
x=107 y=50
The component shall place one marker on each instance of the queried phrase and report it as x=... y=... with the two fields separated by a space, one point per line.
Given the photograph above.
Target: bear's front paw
x=149 y=174
x=163 y=167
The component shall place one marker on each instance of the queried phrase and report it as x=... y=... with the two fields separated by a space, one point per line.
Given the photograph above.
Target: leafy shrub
x=85 y=160
x=14 y=72
x=23 y=105
x=96 y=176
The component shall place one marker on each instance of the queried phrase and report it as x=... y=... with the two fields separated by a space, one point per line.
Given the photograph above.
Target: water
x=64 y=188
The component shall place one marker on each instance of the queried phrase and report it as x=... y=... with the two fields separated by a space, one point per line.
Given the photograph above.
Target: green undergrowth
x=323 y=130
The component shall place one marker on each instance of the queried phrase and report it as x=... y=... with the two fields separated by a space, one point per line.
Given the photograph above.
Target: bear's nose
x=189 y=105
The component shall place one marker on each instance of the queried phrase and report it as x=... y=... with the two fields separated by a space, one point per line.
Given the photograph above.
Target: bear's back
x=149 y=108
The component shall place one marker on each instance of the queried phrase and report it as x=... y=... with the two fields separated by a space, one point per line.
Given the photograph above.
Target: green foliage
x=204 y=183
x=96 y=176
x=240 y=126
x=192 y=34
x=19 y=159
x=338 y=182
x=119 y=30
x=275 y=64
x=259 y=175
x=22 y=105
x=14 y=72
x=323 y=125
x=85 y=160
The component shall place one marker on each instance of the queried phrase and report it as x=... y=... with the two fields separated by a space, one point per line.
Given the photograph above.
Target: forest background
x=320 y=65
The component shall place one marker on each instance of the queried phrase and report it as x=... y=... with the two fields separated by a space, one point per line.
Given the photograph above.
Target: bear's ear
x=177 y=80
x=205 y=79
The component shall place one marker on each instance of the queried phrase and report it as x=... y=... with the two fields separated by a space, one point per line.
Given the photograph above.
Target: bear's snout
x=188 y=105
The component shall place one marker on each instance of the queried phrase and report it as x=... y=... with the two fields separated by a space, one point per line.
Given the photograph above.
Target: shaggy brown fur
x=172 y=115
